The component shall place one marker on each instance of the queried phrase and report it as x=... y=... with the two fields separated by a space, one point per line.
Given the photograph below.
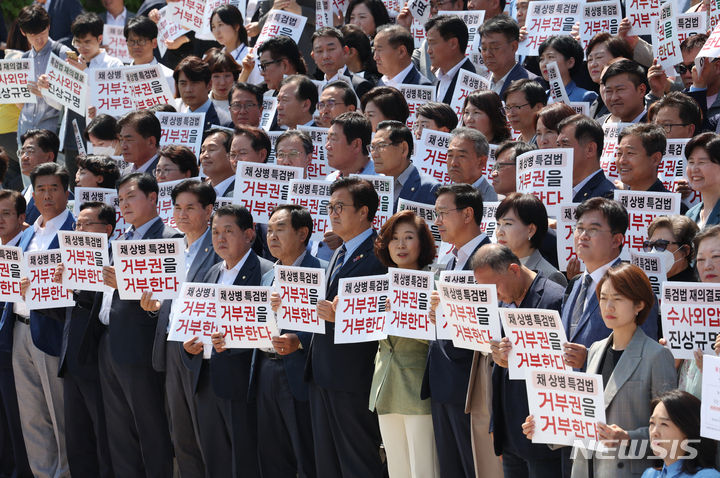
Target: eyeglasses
x=660 y=245
x=682 y=68
x=22 y=151
x=165 y=171
x=287 y=154
x=499 y=166
x=510 y=109
x=337 y=208
x=141 y=42
x=83 y=225
x=263 y=66
x=590 y=231
x=669 y=126
x=242 y=106
x=441 y=214
x=321 y=105
x=373 y=148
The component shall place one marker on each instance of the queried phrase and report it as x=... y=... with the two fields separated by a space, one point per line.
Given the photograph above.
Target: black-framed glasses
x=83 y=225
x=337 y=208
x=669 y=126
x=242 y=106
x=682 y=68
x=659 y=245
x=510 y=109
x=499 y=166
x=263 y=66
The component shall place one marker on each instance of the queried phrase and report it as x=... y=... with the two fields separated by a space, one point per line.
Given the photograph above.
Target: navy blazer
x=211 y=117
x=46 y=332
x=359 y=84
x=418 y=188
x=32 y=212
x=467 y=65
x=294 y=363
x=518 y=72
x=230 y=370
x=414 y=77
x=509 y=398
x=447 y=370
x=62 y=14
x=345 y=367
x=204 y=260
x=598 y=186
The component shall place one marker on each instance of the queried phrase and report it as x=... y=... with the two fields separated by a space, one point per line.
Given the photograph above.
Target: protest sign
x=471 y=312
x=420 y=9
x=281 y=23
x=567 y=407
x=654 y=267
x=14 y=77
x=300 y=288
x=314 y=196
x=666 y=46
x=642 y=208
x=537 y=337
x=262 y=187
x=155 y=265
x=410 y=304
x=84 y=254
x=43 y=293
x=194 y=313
x=673 y=166
x=489 y=223
x=690 y=314
x=427 y=213
x=642 y=15
x=490 y=163
x=361 y=310
x=168 y=30
x=599 y=17
x=416 y=95
x=104 y=195
x=11 y=271
x=115 y=43
x=384 y=187
x=68 y=85
x=244 y=315
x=689 y=24
x=269 y=107
x=710 y=404
x=340 y=6
x=323 y=14
x=545 y=19
x=393 y=6
x=557 y=87
x=148 y=86
x=431 y=155
x=565 y=236
x=318 y=167
x=418 y=32
x=189 y=15
x=610 y=144
x=182 y=129
x=467 y=82
x=548 y=175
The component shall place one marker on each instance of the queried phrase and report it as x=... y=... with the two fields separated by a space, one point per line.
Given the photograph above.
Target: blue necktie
x=338 y=263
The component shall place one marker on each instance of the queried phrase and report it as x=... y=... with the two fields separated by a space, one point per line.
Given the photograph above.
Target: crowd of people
x=97 y=390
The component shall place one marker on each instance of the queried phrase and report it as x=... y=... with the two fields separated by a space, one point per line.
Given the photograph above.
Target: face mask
x=668 y=258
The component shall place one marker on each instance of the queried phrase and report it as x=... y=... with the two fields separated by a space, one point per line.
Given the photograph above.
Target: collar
x=43 y=51
x=52 y=225
x=122 y=16
x=238 y=266
x=222 y=186
x=405 y=175
x=448 y=76
x=597 y=274
x=201 y=109
x=501 y=81
x=587 y=179
x=352 y=245
x=198 y=242
x=300 y=259
x=639 y=117
x=143 y=229
x=464 y=253
x=398 y=79
x=145 y=166
x=237 y=52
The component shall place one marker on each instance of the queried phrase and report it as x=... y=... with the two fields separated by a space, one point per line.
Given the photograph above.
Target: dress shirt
x=397 y=79
x=118 y=21
x=145 y=166
x=464 y=253
x=222 y=186
x=228 y=276
x=444 y=79
x=369 y=169
x=191 y=252
x=402 y=179
x=497 y=86
x=595 y=275
x=14 y=241
x=103 y=60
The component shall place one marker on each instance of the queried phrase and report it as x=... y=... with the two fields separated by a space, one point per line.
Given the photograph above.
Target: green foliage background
x=10 y=8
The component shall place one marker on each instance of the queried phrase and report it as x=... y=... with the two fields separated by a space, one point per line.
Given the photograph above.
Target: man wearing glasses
x=337 y=97
x=246 y=104
x=294 y=148
x=141 y=36
x=279 y=57
x=38 y=146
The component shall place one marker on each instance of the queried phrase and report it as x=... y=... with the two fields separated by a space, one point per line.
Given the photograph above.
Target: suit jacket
x=509 y=399
x=32 y=212
x=517 y=73
x=537 y=262
x=128 y=16
x=230 y=370
x=645 y=370
x=414 y=77
x=714 y=217
x=211 y=117
x=447 y=370
x=62 y=14
x=148 y=5
x=345 y=367
x=149 y=170
x=132 y=329
x=46 y=332
x=598 y=186
x=204 y=260
x=294 y=363
x=419 y=187
x=359 y=84
x=229 y=191
x=467 y=65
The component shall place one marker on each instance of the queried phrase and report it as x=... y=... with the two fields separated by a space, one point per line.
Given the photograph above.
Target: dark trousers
x=136 y=420
x=453 y=440
x=516 y=466
x=285 y=442
x=346 y=434
x=13 y=457
x=86 y=436
x=183 y=420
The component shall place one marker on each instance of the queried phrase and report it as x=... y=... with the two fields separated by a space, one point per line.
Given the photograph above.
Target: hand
x=33 y=88
x=286 y=343
x=698 y=79
x=43 y=81
x=698 y=359
x=154 y=15
x=248 y=63
x=552 y=223
x=682 y=186
x=332 y=240
x=91 y=112
x=388 y=304
x=80 y=63
x=57 y=276
x=193 y=346
x=528 y=427
x=434 y=302
x=717 y=345
x=623 y=31
x=218 y=341
x=177 y=43
x=280 y=4
x=575 y=354
x=147 y=303
x=657 y=79
x=109 y=277
x=573 y=268
x=326 y=310
x=523 y=34
x=405 y=18
x=275 y=301
x=24 y=286
x=338 y=19
x=252 y=29
x=501 y=351
x=612 y=434
x=575 y=32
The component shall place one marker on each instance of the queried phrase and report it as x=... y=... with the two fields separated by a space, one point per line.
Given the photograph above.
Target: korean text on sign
x=318 y=167
x=194 y=313
x=14 y=77
x=410 y=304
x=109 y=93
x=11 y=272
x=68 y=85
x=313 y=195
x=300 y=288
x=471 y=311
x=244 y=316
x=565 y=238
x=431 y=155
x=690 y=317
x=184 y=129
x=545 y=19
x=262 y=187
x=104 y=195
x=43 y=292
x=642 y=207
x=361 y=311
x=84 y=254
x=547 y=174
x=148 y=86
x=384 y=187
x=156 y=265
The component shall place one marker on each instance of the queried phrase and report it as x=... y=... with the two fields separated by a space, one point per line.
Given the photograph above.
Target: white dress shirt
x=444 y=80
x=118 y=21
x=397 y=79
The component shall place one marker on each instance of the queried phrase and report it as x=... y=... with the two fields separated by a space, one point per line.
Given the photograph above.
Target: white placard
x=420 y=9
x=165 y=205
x=104 y=195
x=666 y=46
x=643 y=207
x=318 y=167
x=410 y=304
x=84 y=254
x=361 y=312
x=689 y=24
x=14 y=77
x=557 y=87
x=115 y=43
x=610 y=144
x=565 y=236
x=182 y=129
x=156 y=265
x=384 y=186
x=11 y=272
x=653 y=265
x=313 y=195
x=168 y=30
x=300 y=288
x=545 y=19
x=548 y=175
x=416 y=95
x=109 y=93
x=245 y=316
x=262 y=187
x=710 y=404
x=431 y=155
x=467 y=82
x=269 y=107
x=43 y=293
x=427 y=213
x=281 y=23
x=690 y=314
x=471 y=312
x=194 y=313
x=642 y=15
x=68 y=85
x=599 y=17
x=148 y=86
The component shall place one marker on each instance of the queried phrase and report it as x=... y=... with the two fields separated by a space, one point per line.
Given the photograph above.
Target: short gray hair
x=296 y=133
x=495 y=256
x=482 y=148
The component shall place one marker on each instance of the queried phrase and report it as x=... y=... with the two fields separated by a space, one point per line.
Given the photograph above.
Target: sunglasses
x=660 y=245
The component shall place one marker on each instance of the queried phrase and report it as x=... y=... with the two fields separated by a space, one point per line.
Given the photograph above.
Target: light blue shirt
x=192 y=251
x=675 y=471
x=354 y=243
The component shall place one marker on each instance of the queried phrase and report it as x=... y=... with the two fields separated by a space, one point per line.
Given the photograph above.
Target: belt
x=24 y=320
x=272 y=355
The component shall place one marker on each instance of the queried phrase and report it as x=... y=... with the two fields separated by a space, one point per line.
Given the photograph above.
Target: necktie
x=338 y=263
x=453 y=260
x=130 y=234
x=579 y=304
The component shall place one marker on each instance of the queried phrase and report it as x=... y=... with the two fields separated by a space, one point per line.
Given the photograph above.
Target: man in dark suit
x=585 y=137
x=227 y=418
x=459 y=210
x=393 y=48
x=467 y=156
x=517 y=286
x=215 y=161
x=500 y=37
x=285 y=444
x=345 y=431
x=62 y=13
x=330 y=52
x=192 y=209
x=140 y=133
x=37 y=338
x=296 y=102
x=115 y=13
x=447 y=38
x=38 y=146
x=132 y=390
x=192 y=81
x=392 y=148
x=336 y=98
x=85 y=429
